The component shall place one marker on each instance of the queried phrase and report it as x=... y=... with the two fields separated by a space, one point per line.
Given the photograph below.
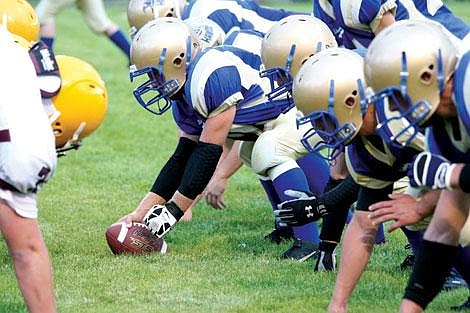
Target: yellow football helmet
x=21 y=18
x=139 y=12
x=162 y=50
x=210 y=34
x=81 y=102
x=288 y=44
x=408 y=64
x=329 y=90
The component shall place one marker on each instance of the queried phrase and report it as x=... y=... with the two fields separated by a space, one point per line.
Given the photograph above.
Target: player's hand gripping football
x=304 y=209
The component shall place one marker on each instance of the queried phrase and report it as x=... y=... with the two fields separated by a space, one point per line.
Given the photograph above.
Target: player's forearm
x=460 y=177
x=230 y=164
x=427 y=203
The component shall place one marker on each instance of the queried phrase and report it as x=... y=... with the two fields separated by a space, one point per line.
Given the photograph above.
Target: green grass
x=219 y=261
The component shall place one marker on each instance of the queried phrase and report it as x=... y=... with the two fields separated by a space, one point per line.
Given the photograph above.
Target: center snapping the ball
x=135 y=240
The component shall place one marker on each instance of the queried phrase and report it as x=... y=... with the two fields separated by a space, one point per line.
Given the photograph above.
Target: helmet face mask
x=161 y=53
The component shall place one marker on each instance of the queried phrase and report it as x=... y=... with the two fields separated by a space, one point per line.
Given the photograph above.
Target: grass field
x=219 y=262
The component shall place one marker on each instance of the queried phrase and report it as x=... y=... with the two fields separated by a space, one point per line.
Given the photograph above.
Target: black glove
x=303 y=210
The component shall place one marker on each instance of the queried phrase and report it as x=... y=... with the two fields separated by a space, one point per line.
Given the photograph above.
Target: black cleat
x=407 y=263
x=301 y=250
x=453 y=281
x=326 y=262
x=279 y=235
x=463 y=307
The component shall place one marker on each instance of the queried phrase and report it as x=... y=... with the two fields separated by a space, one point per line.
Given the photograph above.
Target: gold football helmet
x=162 y=51
x=21 y=18
x=329 y=90
x=81 y=102
x=288 y=44
x=139 y=12
x=408 y=64
x=210 y=34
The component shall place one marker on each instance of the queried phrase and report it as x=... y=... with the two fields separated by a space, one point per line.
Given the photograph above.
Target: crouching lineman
x=28 y=159
x=219 y=89
x=335 y=106
x=426 y=82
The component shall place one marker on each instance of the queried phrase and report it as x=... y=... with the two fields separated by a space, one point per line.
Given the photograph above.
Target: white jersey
x=27 y=144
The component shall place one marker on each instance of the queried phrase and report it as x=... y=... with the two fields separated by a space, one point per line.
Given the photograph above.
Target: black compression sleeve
x=199 y=169
x=333 y=223
x=344 y=194
x=432 y=265
x=464 y=179
x=170 y=175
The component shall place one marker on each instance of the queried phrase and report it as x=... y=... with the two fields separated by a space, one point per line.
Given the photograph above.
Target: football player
x=230 y=15
x=357 y=22
x=335 y=106
x=28 y=159
x=429 y=89
x=213 y=94
x=94 y=14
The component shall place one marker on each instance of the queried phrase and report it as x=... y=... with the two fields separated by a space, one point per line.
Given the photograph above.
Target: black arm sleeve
x=170 y=175
x=464 y=179
x=199 y=169
x=343 y=194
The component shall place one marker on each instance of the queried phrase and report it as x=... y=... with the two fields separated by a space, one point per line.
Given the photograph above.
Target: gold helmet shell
x=139 y=12
x=307 y=33
x=415 y=57
x=81 y=102
x=21 y=18
x=172 y=36
x=329 y=90
x=210 y=34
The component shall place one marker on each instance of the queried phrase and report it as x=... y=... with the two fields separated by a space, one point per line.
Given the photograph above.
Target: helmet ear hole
x=426 y=77
x=177 y=61
x=350 y=101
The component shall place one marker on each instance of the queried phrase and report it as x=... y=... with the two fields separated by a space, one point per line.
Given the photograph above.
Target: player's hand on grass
x=215 y=192
x=403 y=209
x=304 y=209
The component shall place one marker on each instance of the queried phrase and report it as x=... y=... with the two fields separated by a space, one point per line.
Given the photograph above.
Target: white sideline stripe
x=122 y=233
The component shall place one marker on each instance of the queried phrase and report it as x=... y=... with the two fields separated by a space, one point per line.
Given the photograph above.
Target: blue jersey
x=245 y=39
x=236 y=14
x=222 y=77
x=375 y=164
x=451 y=137
x=358 y=19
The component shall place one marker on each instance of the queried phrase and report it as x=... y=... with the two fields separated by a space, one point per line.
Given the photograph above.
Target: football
x=136 y=240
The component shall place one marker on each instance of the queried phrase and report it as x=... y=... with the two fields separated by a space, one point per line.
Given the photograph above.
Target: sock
x=294 y=178
x=49 y=41
x=317 y=172
x=271 y=193
x=120 y=40
x=432 y=265
x=380 y=237
x=414 y=238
